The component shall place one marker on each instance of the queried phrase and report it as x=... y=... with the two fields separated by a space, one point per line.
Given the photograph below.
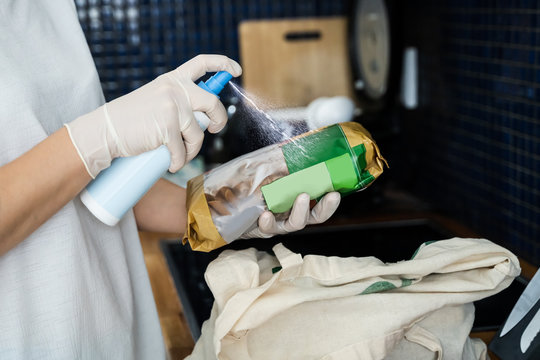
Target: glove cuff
x=88 y=133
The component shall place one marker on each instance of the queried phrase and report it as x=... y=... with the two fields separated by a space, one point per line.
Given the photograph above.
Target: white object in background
x=409 y=79
x=326 y=111
x=288 y=114
x=320 y=112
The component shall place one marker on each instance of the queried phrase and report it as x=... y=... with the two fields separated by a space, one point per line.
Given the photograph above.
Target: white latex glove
x=300 y=216
x=158 y=113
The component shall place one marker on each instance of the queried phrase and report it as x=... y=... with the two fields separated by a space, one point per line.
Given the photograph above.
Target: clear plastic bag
x=226 y=202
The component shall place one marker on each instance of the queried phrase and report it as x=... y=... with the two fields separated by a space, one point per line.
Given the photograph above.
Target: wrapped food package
x=226 y=202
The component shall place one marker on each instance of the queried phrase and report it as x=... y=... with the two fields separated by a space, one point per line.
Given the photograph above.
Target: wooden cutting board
x=289 y=63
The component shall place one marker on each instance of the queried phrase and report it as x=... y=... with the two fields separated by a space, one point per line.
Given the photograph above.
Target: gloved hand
x=158 y=113
x=300 y=216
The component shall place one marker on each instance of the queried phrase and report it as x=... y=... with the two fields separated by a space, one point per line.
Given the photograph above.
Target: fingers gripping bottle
x=118 y=188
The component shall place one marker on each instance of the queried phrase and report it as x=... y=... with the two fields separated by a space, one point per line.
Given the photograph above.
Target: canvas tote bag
x=284 y=306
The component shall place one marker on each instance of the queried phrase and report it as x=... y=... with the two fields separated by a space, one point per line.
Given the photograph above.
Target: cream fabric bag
x=316 y=307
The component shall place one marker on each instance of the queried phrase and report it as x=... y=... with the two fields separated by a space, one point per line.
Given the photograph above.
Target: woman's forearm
x=162 y=209
x=36 y=185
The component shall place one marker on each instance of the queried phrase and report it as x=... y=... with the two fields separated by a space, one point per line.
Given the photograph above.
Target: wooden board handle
x=306 y=35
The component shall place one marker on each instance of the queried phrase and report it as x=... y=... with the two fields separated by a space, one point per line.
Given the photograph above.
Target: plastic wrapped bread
x=226 y=202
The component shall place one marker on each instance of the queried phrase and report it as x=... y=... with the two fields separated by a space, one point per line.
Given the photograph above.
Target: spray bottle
x=118 y=188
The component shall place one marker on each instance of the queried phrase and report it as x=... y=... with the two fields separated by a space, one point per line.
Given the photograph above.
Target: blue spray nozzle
x=216 y=83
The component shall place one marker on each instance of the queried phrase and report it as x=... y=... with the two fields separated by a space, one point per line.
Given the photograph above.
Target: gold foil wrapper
x=201 y=231
x=356 y=134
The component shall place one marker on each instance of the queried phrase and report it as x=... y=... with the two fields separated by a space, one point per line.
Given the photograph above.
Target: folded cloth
x=317 y=307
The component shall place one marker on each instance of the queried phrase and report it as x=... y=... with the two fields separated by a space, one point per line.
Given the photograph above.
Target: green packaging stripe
x=360 y=152
x=365 y=177
x=280 y=194
x=318 y=163
x=315 y=148
x=342 y=173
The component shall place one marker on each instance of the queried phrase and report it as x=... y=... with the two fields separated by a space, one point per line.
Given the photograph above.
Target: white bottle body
x=119 y=187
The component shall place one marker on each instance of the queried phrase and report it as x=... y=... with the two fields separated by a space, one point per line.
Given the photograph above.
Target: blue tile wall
x=133 y=41
x=478 y=130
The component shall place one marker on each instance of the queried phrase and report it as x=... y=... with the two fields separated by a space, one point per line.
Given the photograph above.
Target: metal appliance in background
x=518 y=339
x=375 y=52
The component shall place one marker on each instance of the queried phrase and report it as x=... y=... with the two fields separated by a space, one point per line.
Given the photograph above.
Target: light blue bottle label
x=120 y=186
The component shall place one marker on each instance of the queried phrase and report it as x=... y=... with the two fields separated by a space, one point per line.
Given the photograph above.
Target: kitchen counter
x=176 y=332
x=178 y=340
